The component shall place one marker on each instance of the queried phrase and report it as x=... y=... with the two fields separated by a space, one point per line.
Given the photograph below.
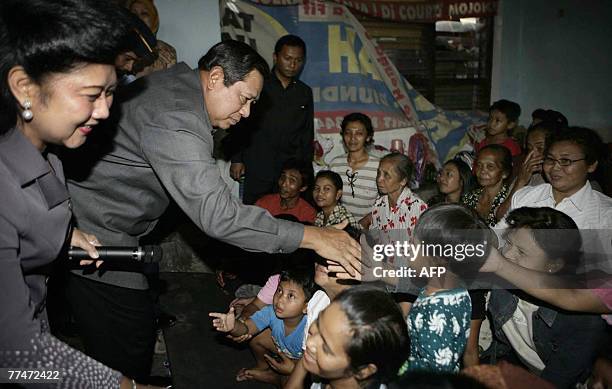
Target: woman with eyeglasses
x=357 y=167
x=571 y=156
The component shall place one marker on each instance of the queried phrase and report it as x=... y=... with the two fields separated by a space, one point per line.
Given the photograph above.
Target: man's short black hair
x=303 y=167
x=289 y=40
x=237 y=59
x=509 y=108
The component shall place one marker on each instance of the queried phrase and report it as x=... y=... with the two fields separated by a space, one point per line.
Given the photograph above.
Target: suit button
x=555 y=347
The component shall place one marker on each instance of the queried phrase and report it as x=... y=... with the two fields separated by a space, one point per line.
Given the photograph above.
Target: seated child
x=439 y=319
x=358 y=341
x=330 y=288
x=503 y=117
x=327 y=193
x=286 y=318
x=557 y=345
x=294 y=180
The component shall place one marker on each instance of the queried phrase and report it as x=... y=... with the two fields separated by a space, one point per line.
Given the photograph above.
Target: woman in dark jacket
x=58 y=78
x=558 y=345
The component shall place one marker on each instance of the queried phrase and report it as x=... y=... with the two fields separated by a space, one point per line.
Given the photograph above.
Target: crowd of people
x=101 y=129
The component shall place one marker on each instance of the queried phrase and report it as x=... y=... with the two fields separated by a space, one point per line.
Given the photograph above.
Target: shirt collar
x=27 y=164
x=581 y=198
x=406 y=193
x=274 y=77
x=22 y=158
x=578 y=199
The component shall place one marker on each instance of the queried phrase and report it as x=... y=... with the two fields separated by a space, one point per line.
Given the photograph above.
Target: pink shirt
x=266 y=294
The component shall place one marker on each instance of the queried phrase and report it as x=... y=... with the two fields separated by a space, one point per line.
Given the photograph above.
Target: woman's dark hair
x=361 y=118
x=465 y=173
x=237 y=59
x=403 y=165
x=379 y=334
x=55 y=36
x=504 y=153
x=548 y=115
x=302 y=276
x=289 y=40
x=332 y=176
x=556 y=233
x=588 y=140
x=454 y=225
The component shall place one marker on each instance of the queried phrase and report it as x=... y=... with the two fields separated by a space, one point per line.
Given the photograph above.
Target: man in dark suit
x=281 y=127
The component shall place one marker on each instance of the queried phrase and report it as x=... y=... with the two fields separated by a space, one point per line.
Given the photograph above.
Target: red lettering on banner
x=423 y=11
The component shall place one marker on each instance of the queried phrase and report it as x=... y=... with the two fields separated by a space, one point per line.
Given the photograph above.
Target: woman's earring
x=27 y=114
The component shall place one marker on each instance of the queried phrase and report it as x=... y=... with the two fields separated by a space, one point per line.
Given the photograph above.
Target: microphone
x=115 y=254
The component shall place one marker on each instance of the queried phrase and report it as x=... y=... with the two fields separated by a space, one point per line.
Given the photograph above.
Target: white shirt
x=590 y=210
x=519 y=331
x=318 y=302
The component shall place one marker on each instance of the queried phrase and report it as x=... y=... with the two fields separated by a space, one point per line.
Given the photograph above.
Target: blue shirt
x=290 y=344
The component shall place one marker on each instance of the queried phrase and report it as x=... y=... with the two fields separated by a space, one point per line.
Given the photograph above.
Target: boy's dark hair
x=504 y=152
x=332 y=176
x=289 y=40
x=378 y=331
x=363 y=119
x=455 y=225
x=465 y=173
x=509 y=108
x=556 y=233
x=55 y=36
x=237 y=59
x=302 y=275
x=305 y=169
x=403 y=165
x=589 y=141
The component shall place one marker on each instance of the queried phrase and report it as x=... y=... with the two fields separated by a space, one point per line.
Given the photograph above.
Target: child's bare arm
x=226 y=322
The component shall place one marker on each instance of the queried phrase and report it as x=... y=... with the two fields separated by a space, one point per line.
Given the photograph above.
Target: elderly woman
x=493 y=167
x=58 y=78
x=357 y=167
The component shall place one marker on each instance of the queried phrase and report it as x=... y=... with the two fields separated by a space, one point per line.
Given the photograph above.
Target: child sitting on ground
x=286 y=318
x=296 y=177
x=439 y=319
x=327 y=193
x=503 y=117
x=330 y=288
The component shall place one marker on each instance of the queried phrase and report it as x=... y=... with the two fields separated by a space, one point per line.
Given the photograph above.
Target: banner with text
x=348 y=72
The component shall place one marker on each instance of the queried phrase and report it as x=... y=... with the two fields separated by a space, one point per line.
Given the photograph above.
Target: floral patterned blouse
x=439 y=327
x=396 y=223
x=470 y=200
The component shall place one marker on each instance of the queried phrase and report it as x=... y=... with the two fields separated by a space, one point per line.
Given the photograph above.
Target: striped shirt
x=359 y=187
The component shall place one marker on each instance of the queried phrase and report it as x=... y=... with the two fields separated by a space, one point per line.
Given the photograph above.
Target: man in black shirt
x=281 y=125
